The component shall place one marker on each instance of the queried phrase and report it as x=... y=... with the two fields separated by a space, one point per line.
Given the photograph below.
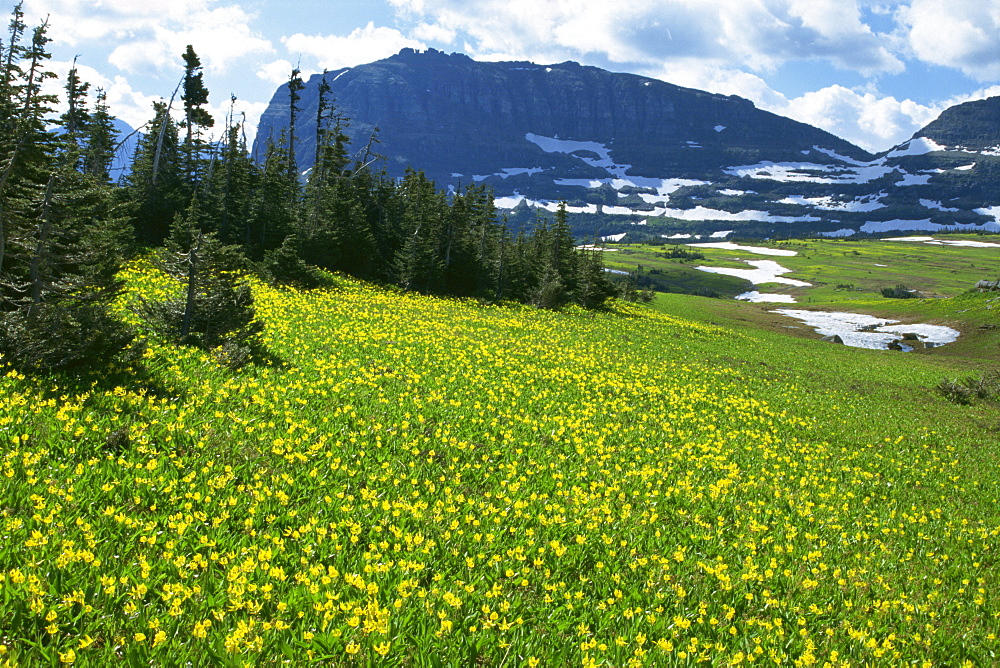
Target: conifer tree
x=196 y=117
x=212 y=307
x=100 y=140
x=295 y=85
x=155 y=190
x=58 y=272
x=233 y=183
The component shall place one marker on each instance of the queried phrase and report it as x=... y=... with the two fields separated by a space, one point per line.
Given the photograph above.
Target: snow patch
x=615 y=237
x=507 y=172
x=916 y=146
x=938 y=206
x=947 y=242
x=965 y=168
x=810 y=172
x=842 y=232
x=842 y=158
x=913 y=180
x=719 y=128
x=728 y=245
x=857 y=205
x=990 y=211
x=849 y=326
x=701 y=213
x=765 y=271
x=720 y=235
x=757 y=297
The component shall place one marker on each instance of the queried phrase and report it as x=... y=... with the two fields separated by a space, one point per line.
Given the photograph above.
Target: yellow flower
x=352 y=648
x=68 y=657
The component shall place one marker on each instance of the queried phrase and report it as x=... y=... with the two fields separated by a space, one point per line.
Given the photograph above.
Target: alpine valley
x=634 y=154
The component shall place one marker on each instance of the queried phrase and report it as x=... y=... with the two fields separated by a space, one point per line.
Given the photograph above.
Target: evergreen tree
x=212 y=307
x=233 y=183
x=419 y=264
x=155 y=190
x=275 y=204
x=100 y=141
x=295 y=85
x=196 y=117
x=58 y=273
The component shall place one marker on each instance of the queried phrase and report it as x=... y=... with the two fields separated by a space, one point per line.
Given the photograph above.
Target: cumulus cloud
x=760 y=35
x=152 y=36
x=873 y=121
x=128 y=104
x=964 y=34
x=276 y=72
x=362 y=45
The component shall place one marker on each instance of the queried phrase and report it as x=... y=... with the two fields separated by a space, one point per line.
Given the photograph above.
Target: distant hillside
x=972 y=125
x=634 y=154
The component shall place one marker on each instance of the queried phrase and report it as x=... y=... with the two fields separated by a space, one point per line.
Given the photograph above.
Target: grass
x=436 y=482
x=841 y=271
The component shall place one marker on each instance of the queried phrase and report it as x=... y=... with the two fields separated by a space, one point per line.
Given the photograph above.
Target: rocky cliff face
x=449 y=114
x=625 y=149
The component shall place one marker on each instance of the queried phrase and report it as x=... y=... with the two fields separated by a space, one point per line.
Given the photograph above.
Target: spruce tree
x=295 y=85
x=155 y=190
x=100 y=140
x=212 y=306
x=196 y=117
x=60 y=258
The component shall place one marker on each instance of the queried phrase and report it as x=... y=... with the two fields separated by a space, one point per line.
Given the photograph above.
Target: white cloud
x=153 y=35
x=760 y=35
x=872 y=121
x=435 y=32
x=875 y=123
x=363 y=45
x=277 y=72
x=131 y=106
x=964 y=34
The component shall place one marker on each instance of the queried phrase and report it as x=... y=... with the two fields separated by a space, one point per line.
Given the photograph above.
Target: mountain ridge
x=619 y=146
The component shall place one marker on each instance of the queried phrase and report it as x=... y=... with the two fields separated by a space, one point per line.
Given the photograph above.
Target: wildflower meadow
x=416 y=481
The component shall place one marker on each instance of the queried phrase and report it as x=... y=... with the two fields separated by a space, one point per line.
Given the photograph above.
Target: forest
x=211 y=216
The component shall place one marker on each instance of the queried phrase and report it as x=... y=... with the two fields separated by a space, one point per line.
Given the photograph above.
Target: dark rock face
x=448 y=114
x=971 y=125
x=638 y=155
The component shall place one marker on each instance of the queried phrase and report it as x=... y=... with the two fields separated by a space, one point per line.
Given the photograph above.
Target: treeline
x=212 y=214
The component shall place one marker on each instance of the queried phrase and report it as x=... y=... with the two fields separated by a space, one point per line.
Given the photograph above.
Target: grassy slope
x=844 y=271
x=434 y=481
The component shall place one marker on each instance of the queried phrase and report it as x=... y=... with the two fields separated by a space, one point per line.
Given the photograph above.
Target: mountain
x=630 y=153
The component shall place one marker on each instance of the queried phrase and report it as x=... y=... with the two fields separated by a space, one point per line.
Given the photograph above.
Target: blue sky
x=870 y=71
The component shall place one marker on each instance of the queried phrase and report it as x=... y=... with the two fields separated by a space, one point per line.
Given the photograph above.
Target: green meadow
x=416 y=481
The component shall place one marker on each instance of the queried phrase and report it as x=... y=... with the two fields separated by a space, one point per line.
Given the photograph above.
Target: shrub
x=61 y=335
x=985 y=387
x=898 y=292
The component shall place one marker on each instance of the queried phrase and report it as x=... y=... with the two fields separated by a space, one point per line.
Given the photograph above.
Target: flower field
x=424 y=482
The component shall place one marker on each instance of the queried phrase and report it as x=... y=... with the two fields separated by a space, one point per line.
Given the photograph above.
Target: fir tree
x=155 y=190
x=295 y=85
x=213 y=307
x=58 y=273
x=196 y=117
x=100 y=141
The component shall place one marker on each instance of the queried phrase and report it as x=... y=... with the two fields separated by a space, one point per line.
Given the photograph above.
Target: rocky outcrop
x=625 y=150
x=449 y=114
